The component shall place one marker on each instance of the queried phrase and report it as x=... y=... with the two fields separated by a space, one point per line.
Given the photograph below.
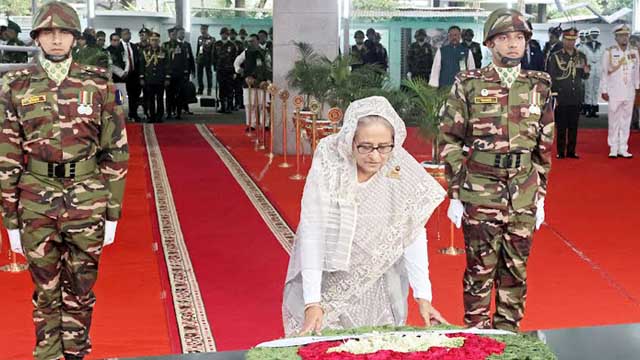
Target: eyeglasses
x=368 y=148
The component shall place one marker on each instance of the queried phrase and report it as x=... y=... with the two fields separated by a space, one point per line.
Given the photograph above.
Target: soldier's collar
x=490 y=74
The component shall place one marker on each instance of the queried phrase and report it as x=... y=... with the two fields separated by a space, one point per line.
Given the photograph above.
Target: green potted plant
x=310 y=75
x=429 y=102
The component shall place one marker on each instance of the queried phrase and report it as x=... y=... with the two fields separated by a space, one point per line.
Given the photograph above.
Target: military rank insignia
x=35 y=99
x=118 y=95
x=85 y=102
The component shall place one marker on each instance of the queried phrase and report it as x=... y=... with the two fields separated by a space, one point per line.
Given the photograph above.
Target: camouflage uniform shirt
x=45 y=122
x=483 y=115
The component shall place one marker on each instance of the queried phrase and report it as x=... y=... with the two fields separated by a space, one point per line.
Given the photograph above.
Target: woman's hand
x=429 y=314
x=313 y=315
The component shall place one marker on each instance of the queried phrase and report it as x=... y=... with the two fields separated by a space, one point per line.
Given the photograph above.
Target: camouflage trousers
x=63 y=255
x=497 y=244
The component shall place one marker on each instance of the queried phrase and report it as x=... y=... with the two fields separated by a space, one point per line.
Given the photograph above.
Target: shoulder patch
x=469 y=74
x=91 y=70
x=539 y=75
x=18 y=74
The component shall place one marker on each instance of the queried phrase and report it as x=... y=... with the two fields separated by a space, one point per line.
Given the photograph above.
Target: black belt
x=502 y=161
x=62 y=170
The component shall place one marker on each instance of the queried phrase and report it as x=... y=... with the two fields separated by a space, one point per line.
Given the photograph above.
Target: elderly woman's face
x=372 y=145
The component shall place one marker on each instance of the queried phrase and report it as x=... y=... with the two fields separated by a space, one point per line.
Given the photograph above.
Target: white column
x=311 y=21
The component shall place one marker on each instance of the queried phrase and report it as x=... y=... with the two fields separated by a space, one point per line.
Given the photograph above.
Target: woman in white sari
x=361 y=239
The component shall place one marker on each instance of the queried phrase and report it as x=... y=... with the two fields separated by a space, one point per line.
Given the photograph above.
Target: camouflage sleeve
x=453 y=127
x=114 y=157
x=541 y=155
x=11 y=157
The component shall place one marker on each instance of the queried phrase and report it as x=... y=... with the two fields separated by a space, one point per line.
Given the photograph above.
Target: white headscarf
x=329 y=207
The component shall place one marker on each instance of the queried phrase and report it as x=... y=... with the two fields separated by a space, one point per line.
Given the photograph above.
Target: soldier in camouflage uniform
x=13 y=57
x=496 y=136
x=91 y=53
x=63 y=163
x=420 y=57
x=154 y=77
x=224 y=53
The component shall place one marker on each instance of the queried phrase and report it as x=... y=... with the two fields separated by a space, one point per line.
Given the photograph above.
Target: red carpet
x=129 y=317
x=239 y=264
x=567 y=288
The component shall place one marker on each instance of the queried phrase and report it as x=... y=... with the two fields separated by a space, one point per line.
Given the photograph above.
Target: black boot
x=72 y=357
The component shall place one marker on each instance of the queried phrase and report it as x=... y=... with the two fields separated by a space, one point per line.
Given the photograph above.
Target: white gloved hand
x=15 y=239
x=455 y=212
x=109 y=232
x=539 y=214
x=409 y=75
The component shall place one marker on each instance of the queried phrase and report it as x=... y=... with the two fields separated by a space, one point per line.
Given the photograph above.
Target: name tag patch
x=34 y=100
x=485 y=100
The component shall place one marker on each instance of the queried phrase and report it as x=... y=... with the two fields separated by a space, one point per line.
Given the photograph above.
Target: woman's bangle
x=310 y=305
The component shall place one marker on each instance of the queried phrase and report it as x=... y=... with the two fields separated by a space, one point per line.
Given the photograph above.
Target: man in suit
x=132 y=77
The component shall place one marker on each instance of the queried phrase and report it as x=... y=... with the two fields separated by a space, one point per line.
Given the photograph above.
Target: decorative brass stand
x=14 y=266
x=451 y=249
x=263 y=86
x=314 y=106
x=284 y=96
x=273 y=91
x=298 y=102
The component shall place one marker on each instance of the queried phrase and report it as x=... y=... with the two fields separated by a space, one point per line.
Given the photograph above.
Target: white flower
x=405 y=343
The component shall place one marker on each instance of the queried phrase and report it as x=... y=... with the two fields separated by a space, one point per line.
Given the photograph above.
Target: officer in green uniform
x=224 y=53
x=420 y=57
x=496 y=137
x=63 y=164
x=179 y=62
x=91 y=53
x=568 y=68
x=11 y=34
x=154 y=77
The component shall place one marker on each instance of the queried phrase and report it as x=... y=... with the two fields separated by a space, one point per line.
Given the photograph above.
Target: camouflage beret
x=55 y=15
x=505 y=20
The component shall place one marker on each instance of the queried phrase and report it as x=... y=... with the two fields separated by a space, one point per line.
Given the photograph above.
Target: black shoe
x=208 y=92
x=560 y=156
x=573 y=156
x=189 y=112
x=199 y=92
x=72 y=357
x=241 y=107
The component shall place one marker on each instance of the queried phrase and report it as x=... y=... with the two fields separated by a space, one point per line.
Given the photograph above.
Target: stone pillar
x=311 y=21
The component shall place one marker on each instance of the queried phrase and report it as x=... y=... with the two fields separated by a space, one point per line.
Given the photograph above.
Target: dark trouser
x=133 y=92
x=567 y=128
x=238 y=82
x=206 y=67
x=175 y=98
x=225 y=83
x=153 y=98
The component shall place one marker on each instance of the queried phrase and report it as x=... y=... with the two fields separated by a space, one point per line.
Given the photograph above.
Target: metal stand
x=451 y=249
